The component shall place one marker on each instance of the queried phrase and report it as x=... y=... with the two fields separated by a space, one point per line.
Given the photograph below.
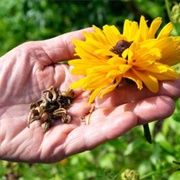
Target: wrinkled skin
x=32 y=67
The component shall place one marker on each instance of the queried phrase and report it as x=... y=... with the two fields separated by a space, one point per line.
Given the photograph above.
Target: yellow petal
x=93 y=95
x=77 y=84
x=108 y=90
x=130 y=30
x=104 y=52
x=170 y=74
x=149 y=80
x=116 y=60
x=130 y=75
x=112 y=74
x=146 y=61
x=123 y=68
x=154 y=27
x=94 y=82
x=143 y=28
x=111 y=33
x=165 y=32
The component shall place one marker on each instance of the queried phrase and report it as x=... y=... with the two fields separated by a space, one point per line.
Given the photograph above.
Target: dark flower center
x=120 y=47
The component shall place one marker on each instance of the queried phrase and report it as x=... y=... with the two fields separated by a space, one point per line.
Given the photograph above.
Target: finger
x=130 y=93
x=153 y=108
x=90 y=136
x=170 y=88
x=61 y=48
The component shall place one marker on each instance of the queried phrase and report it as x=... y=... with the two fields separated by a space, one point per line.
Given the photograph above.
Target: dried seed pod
x=51 y=94
x=44 y=102
x=44 y=117
x=35 y=114
x=46 y=125
x=69 y=93
x=66 y=118
x=59 y=112
x=35 y=104
x=51 y=107
x=64 y=101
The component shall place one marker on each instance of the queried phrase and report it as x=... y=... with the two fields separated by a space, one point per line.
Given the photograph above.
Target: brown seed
x=46 y=125
x=69 y=93
x=51 y=107
x=66 y=118
x=44 y=117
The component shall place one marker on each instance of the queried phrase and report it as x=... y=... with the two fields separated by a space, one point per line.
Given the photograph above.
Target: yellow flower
x=139 y=54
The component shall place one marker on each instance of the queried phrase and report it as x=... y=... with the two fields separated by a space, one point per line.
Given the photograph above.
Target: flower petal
x=154 y=27
x=165 y=32
x=149 y=80
x=93 y=95
x=104 y=59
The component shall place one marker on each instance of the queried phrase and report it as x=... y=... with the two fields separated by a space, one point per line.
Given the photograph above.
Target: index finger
x=61 y=48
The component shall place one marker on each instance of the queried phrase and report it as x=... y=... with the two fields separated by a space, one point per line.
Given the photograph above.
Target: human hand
x=32 y=67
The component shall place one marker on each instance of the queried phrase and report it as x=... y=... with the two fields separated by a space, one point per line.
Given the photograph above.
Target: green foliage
x=26 y=20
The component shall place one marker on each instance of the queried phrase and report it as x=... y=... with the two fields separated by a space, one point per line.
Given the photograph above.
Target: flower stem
x=147 y=133
x=168 y=9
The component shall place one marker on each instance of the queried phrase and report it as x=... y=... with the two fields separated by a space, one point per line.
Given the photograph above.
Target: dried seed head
x=66 y=118
x=50 y=94
x=59 y=112
x=69 y=93
x=35 y=114
x=44 y=117
x=46 y=125
x=51 y=107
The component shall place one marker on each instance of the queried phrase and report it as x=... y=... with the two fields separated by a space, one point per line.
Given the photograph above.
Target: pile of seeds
x=51 y=107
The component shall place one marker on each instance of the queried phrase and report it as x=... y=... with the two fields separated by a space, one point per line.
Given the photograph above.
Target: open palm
x=32 y=67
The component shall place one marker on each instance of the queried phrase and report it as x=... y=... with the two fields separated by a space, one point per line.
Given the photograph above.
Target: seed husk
x=51 y=107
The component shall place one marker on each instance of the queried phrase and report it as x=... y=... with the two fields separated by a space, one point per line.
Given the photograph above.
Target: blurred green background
x=26 y=20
